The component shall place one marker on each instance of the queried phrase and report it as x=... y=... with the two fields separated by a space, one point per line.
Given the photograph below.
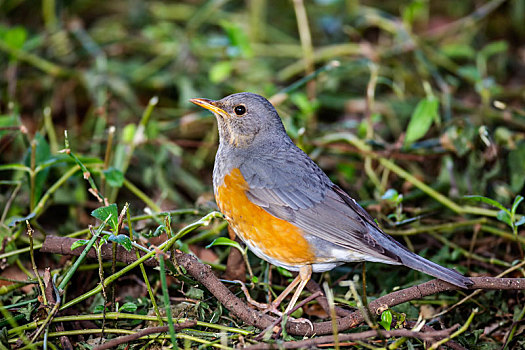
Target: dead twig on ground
x=152 y=330
x=204 y=274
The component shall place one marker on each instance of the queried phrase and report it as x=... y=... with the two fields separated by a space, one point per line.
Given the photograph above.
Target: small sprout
x=386 y=319
x=79 y=243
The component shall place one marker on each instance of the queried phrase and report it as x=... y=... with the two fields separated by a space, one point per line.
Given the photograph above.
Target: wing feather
x=312 y=202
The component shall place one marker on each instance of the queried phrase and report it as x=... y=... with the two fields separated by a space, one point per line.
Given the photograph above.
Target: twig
x=280 y=318
x=32 y=176
x=32 y=254
x=166 y=296
x=477 y=15
x=330 y=297
x=113 y=343
x=510 y=335
x=306 y=44
x=329 y=340
x=52 y=313
x=143 y=271
x=456 y=333
x=204 y=275
x=62 y=246
x=476 y=292
x=118 y=316
x=101 y=277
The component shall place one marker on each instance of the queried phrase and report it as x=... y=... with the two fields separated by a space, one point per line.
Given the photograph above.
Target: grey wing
x=295 y=189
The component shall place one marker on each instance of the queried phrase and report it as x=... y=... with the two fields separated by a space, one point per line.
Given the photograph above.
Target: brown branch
x=328 y=340
x=205 y=276
x=113 y=343
x=280 y=318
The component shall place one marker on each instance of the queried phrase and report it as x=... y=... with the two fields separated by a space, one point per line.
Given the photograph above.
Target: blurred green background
x=364 y=87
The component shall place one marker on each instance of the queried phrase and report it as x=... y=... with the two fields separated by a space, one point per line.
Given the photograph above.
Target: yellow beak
x=210 y=105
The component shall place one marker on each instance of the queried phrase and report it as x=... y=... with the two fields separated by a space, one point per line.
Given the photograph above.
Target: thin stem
x=30 y=232
x=32 y=176
x=107 y=155
x=82 y=256
x=138 y=136
x=40 y=205
x=306 y=44
x=466 y=253
x=38 y=62
x=456 y=333
x=204 y=221
x=144 y=274
x=141 y=195
x=98 y=248
x=85 y=231
x=166 y=296
x=120 y=316
x=51 y=134
x=333 y=316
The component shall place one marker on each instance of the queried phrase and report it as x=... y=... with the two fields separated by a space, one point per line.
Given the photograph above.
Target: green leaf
x=103 y=213
x=487 y=200
x=16 y=220
x=516 y=203
x=158 y=232
x=220 y=71
x=42 y=155
x=458 y=51
x=225 y=241
x=503 y=216
x=426 y=111
x=195 y=293
x=238 y=39
x=469 y=72
x=494 y=48
x=114 y=177
x=79 y=243
x=128 y=133
x=123 y=240
x=414 y=10
x=517 y=167
x=128 y=307
x=26 y=311
x=520 y=221
x=391 y=195
x=98 y=309
x=14 y=37
x=284 y=272
x=386 y=319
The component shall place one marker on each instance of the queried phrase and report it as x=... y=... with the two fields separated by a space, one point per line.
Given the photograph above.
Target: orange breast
x=275 y=238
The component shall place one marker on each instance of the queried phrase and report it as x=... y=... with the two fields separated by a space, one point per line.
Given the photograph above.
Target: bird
x=286 y=209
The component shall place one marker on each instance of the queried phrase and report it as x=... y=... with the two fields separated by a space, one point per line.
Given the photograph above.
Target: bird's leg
x=270 y=307
x=249 y=298
x=305 y=273
x=275 y=304
x=300 y=280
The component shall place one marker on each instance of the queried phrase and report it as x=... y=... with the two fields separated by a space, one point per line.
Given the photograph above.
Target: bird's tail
x=419 y=263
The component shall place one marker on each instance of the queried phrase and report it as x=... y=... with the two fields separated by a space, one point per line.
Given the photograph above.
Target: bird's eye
x=239 y=110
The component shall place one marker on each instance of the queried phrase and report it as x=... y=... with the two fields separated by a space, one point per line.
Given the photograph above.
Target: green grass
x=418 y=100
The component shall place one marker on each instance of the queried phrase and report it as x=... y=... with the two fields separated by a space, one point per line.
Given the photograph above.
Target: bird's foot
x=263 y=307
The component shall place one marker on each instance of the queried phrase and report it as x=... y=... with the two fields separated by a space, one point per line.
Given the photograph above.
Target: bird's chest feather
x=269 y=237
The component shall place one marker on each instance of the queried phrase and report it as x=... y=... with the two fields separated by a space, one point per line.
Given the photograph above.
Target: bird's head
x=244 y=119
